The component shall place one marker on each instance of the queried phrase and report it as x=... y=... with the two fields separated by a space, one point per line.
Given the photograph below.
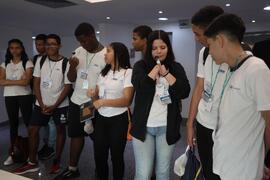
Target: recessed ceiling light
x=160 y=12
x=163 y=19
x=108 y=17
x=267 y=8
x=98 y=32
x=228 y=5
x=33 y=37
x=97 y=1
x=253 y=21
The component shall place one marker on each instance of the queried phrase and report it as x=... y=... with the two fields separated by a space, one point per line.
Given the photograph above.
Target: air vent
x=184 y=23
x=53 y=3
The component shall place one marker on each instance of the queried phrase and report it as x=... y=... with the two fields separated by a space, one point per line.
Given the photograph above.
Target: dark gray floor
x=86 y=165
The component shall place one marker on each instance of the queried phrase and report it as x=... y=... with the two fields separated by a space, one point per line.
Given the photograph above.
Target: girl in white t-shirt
x=115 y=94
x=15 y=75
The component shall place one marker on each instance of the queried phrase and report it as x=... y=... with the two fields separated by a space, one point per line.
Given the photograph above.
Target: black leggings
x=205 y=149
x=110 y=134
x=13 y=105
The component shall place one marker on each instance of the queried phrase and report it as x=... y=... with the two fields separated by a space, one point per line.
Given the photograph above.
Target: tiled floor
x=86 y=165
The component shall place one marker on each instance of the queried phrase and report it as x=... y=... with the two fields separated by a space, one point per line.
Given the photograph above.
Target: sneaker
x=55 y=167
x=8 y=161
x=27 y=167
x=68 y=174
x=46 y=152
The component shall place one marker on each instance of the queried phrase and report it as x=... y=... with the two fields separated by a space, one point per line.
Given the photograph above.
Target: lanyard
x=213 y=84
x=227 y=79
x=52 y=68
x=89 y=61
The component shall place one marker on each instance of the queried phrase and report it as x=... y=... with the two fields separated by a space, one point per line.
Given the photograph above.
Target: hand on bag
x=191 y=140
x=266 y=173
x=98 y=103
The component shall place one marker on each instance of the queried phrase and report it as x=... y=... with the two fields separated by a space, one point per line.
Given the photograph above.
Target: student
x=160 y=83
x=51 y=88
x=49 y=131
x=115 y=93
x=15 y=75
x=85 y=67
x=139 y=39
x=210 y=77
x=242 y=132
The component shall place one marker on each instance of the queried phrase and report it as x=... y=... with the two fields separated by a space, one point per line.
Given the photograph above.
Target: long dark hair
x=121 y=57
x=9 y=56
x=149 y=59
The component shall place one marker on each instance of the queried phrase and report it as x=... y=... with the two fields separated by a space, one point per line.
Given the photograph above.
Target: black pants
x=110 y=133
x=13 y=105
x=205 y=149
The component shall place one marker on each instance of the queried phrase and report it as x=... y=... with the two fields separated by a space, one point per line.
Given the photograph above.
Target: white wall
x=6 y=34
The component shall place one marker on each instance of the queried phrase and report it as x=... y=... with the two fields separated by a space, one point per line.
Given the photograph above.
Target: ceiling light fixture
x=108 y=17
x=253 y=21
x=97 y=1
x=98 y=32
x=33 y=37
x=228 y=5
x=160 y=12
x=163 y=19
x=267 y=8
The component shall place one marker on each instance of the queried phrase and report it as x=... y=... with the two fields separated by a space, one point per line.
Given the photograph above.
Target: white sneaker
x=8 y=161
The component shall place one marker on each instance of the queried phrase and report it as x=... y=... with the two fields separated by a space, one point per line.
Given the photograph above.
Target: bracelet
x=166 y=74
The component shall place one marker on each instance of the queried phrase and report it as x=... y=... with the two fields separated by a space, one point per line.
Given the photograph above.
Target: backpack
x=64 y=63
x=64 y=67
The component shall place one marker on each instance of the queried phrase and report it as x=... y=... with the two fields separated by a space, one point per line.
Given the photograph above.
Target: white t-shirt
x=112 y=87
x=158 y=112
x=238 y=152
x=15 y=72
x=91 y=63
x=212 y=74
x=52 y=81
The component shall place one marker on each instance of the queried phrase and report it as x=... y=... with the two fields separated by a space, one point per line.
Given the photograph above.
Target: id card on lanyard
x=84 y=72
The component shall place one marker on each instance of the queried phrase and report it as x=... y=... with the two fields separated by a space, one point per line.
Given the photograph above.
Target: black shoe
x=46 y=152
x=68 y=174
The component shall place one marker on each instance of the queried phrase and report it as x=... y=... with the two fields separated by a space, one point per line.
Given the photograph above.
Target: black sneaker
x=68 y=174
x=46 y=152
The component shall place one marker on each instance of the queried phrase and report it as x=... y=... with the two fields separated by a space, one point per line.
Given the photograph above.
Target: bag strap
x=205 y=54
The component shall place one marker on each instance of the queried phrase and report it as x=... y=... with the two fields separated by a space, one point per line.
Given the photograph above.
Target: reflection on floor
x=86 y=165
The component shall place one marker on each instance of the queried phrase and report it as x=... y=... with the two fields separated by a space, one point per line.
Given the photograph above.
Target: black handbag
x=193 y=169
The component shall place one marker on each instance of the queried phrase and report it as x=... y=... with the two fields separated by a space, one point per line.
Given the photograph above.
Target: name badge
x=207 y=93
x=13 y=77
x=83 y=74
x=85 y=84
x=47 y=83
x=165 y=98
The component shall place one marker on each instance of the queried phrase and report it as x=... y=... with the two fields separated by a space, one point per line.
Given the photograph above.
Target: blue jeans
x=155 y=147
x=49 y=134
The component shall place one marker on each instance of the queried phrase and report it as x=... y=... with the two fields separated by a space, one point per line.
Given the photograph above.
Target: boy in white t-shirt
x=51 y=88
x=242 y=132
x=209 y=79
x=85 y=67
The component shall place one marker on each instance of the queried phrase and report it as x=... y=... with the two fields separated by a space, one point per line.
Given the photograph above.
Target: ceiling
x=20 y=13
